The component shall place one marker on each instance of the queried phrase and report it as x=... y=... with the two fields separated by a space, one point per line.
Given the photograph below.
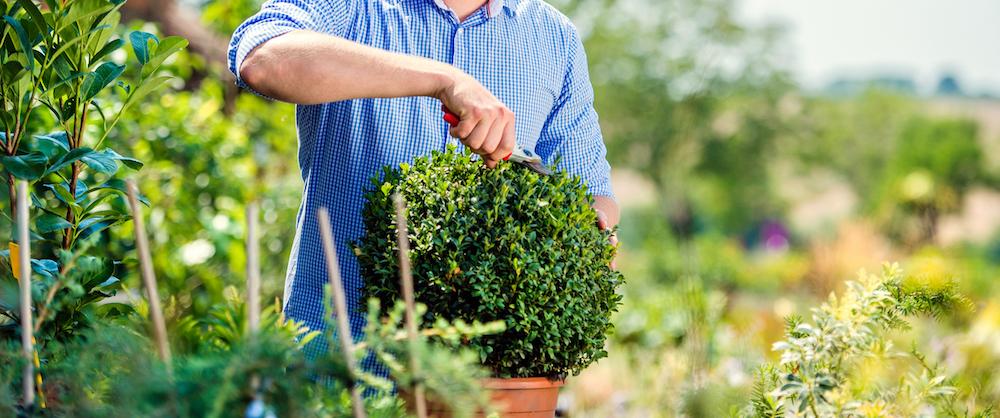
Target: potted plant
x=504 y=245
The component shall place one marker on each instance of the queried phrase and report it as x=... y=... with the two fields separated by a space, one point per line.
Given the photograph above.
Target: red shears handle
x=453 y=120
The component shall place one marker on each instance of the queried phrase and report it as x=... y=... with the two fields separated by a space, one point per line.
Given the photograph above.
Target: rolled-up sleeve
x=571 y=137
x=278 y=17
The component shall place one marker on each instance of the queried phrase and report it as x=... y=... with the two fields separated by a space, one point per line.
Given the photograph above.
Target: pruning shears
x=520 y=155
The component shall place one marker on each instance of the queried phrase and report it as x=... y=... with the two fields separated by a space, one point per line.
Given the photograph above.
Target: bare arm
x=305 y=67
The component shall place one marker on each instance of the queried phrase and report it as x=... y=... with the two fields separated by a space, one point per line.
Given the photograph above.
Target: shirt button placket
x=456 y=60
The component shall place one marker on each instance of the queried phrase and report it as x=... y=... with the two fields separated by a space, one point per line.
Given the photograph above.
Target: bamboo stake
x=24 y=264
x=406 y=281
x=253 y=298
x=253 y=269
x=340 y=304
x=149 y=277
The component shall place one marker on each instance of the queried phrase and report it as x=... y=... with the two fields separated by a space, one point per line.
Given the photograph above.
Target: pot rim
x=521 y=383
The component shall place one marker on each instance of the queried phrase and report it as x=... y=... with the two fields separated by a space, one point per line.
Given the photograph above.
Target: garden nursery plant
x=507 y=245
x=61 y=93
x=67 y=79
x=111 y=370
x=822 y=369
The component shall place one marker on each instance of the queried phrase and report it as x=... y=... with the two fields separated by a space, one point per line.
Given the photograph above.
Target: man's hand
x=485 y=125
x=607 y=218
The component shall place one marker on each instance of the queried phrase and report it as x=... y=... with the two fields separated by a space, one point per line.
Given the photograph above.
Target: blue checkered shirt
x=524 y=51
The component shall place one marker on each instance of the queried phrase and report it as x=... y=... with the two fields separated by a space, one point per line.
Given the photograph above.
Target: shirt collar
x=493 y=7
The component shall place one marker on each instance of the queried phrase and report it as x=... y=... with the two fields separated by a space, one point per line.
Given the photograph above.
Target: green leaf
x=108 y=48
x=49 y=223
x=118 y=185
x=87 y=223
x=167 y=47
x=128 y=161
x=100 y=226
x=70 y=157
x=147 y=87
x=141 y=42
x=36 y=16
x=53 y=144
x=22 y=38
x=102 y=162
x=45 y=267
x=100 y=78
x=61 y=192
x=27 y=166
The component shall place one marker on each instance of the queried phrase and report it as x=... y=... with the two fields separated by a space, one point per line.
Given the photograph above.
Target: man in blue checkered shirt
x=369 y=78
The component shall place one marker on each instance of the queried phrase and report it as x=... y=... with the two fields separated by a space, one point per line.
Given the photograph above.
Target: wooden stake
x=24 y=281
x=148 y=276
x=340 y=304
x=253 y=270
x=406 y=282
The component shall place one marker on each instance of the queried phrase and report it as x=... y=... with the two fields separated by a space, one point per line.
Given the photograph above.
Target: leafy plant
x=62 y=93
x=822 y=363
x=498 y=245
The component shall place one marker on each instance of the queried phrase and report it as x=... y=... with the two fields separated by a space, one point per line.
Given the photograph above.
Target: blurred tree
x=854 y=138
x=948 y=85
x=934 y=164
x=688 y=97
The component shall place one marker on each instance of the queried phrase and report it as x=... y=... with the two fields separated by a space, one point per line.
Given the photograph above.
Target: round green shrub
x=504 y=244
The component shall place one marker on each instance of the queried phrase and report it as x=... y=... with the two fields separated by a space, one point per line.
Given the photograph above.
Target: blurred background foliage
x=746 y=198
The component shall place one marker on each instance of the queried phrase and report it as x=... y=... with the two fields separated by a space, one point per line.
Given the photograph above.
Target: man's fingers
x=492 y=140
x=507 y=141
x=476 y=139
x=466 y=124
x=602 y=220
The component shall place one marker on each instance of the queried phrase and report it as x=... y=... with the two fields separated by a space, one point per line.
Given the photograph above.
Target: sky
x=916 y=38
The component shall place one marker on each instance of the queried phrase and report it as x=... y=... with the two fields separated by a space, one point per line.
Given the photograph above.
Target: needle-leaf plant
x=821 y=372
x=505 y=244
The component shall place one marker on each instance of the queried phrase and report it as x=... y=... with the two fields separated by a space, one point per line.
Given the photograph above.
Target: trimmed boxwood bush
x=504 y=244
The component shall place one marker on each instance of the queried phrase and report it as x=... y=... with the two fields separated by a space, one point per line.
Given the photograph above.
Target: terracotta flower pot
x=525 y=397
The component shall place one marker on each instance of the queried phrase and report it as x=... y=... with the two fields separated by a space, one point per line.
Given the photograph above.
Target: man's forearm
x=306 y=67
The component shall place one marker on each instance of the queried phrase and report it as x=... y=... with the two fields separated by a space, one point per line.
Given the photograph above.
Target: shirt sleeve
x=278 y=17
x=571 y=136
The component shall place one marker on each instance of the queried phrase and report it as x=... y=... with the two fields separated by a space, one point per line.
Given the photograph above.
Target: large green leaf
x=128 y=161
x=49 y=223
x=62 y=192
x=36 y=16
x=53 y=144
x=142 y=45
x=102 y=162
x=26 y=166
x=72 y=156
x=100 y=78
x=118 y=186
x=22 y=38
